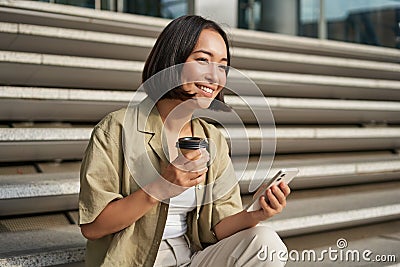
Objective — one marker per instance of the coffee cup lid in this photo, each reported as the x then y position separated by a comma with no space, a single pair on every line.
191,143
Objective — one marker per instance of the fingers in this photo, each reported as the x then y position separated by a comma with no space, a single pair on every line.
285,188
266,210
194,174
197,180
193,166
275,200
183,178
277,195
190,179
193,160
264,205
174,181
194,154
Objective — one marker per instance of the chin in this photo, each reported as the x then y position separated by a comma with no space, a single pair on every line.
203,102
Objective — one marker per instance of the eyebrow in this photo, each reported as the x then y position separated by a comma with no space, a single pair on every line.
208,53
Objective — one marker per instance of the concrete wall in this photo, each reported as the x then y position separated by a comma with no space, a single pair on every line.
279,16
222,11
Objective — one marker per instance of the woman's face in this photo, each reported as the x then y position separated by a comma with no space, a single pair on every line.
204,71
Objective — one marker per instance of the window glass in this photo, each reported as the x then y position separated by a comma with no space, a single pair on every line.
308,18
249,14
158,8
374,22
81,3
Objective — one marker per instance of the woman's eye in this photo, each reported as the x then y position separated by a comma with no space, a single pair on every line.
202,60
223,67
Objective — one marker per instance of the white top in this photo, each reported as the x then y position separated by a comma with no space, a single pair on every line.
179,206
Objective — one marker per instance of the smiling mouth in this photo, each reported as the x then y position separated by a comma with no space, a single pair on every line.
205,89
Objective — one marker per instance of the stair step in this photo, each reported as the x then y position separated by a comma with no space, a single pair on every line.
17,169
326,209
121,23
33,69
57,188
36,222
315,210
245,58
40,192
311,46
380,239
53,40
322,86
27,144
52,70
67,16
33,104
322,170
47,247
307,111
39,184
59,167
71,42
310,139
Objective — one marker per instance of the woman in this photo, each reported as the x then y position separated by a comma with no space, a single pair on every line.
173,219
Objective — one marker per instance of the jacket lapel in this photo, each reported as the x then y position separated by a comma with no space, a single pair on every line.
149,121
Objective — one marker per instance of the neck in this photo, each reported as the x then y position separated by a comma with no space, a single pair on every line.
176,116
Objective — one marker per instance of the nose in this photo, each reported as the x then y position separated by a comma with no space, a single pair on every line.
212,73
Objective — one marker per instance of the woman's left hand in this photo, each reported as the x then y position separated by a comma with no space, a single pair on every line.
273,204
276,198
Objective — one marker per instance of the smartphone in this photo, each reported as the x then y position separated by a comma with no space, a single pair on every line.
283,175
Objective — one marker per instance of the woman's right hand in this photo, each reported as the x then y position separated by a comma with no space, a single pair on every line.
184,172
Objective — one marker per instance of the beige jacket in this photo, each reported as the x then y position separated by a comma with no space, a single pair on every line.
107,173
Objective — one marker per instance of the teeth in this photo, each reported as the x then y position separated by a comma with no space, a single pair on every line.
206,89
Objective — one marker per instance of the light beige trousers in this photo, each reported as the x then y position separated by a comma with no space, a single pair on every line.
257,246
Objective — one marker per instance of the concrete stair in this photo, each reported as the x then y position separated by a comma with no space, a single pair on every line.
31,143
32,104
382,239
43,39
336,107
71,17
48,70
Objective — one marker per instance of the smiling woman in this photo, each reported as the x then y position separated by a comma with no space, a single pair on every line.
173,218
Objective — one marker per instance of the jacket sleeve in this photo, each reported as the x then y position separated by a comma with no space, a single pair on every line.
100,177
226,191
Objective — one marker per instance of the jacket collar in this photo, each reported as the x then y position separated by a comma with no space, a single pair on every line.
149,122
149,119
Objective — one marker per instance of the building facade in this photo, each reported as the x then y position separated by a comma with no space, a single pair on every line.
372,22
